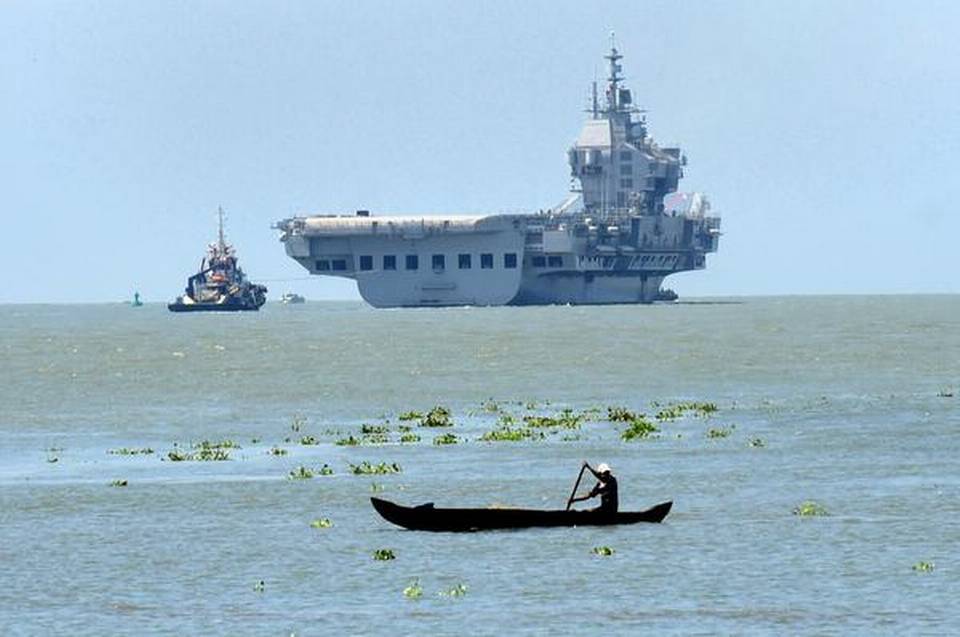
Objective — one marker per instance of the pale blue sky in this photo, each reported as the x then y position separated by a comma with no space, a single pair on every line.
827,134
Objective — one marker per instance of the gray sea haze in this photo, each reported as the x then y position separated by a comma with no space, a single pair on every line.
855,401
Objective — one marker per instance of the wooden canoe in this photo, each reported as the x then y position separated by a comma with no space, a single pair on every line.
426,517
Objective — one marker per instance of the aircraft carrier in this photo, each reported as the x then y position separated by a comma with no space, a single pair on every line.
620,232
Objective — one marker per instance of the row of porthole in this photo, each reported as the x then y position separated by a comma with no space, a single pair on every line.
412,262
437,262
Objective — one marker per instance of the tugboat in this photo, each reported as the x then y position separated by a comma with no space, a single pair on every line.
220,285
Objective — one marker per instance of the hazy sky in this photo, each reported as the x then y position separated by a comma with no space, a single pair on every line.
827,134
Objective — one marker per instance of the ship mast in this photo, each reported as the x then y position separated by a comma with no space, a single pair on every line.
222,241
615,78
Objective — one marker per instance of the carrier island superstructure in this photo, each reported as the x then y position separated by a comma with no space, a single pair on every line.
623,228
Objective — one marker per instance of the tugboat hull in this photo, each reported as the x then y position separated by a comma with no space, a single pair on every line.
212,307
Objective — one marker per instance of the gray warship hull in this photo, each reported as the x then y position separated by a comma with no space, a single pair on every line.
614,240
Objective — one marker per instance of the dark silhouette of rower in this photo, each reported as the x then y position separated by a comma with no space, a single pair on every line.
606,488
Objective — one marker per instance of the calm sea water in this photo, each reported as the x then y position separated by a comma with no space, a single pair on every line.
855,400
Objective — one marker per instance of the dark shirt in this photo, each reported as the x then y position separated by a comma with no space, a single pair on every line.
607,490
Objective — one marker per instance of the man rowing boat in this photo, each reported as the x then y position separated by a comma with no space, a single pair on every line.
606,488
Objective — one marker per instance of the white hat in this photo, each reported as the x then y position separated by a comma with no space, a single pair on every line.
603,467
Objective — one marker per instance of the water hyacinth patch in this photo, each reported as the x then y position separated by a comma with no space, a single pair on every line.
507,434
308,441
409,437
374,429
678,410
621,414
321,523
720,432
413,590
211,454
924,567
437,417
300,473
259,587
277,451
446,439
383,555
639,429
757,443
204,452
603,551
222,444
365,468
127,451
410,415
325,470
349,441
118,483
566,419
809,508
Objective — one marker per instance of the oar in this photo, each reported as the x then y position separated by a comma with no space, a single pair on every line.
576,485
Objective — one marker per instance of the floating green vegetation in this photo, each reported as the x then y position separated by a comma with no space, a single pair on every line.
221,444
321,523
259,587
924,567
603,551
508,434
325,470
457,591
409,437
367,430
366,469
446,439
349,441
809,508
300,473
757,443
383,555
437,417
566,419
621,414
211,454
308,440
375,439
410,415
678,410
118,483
277,451
639,429
130,451
204,452
720,432
413,590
